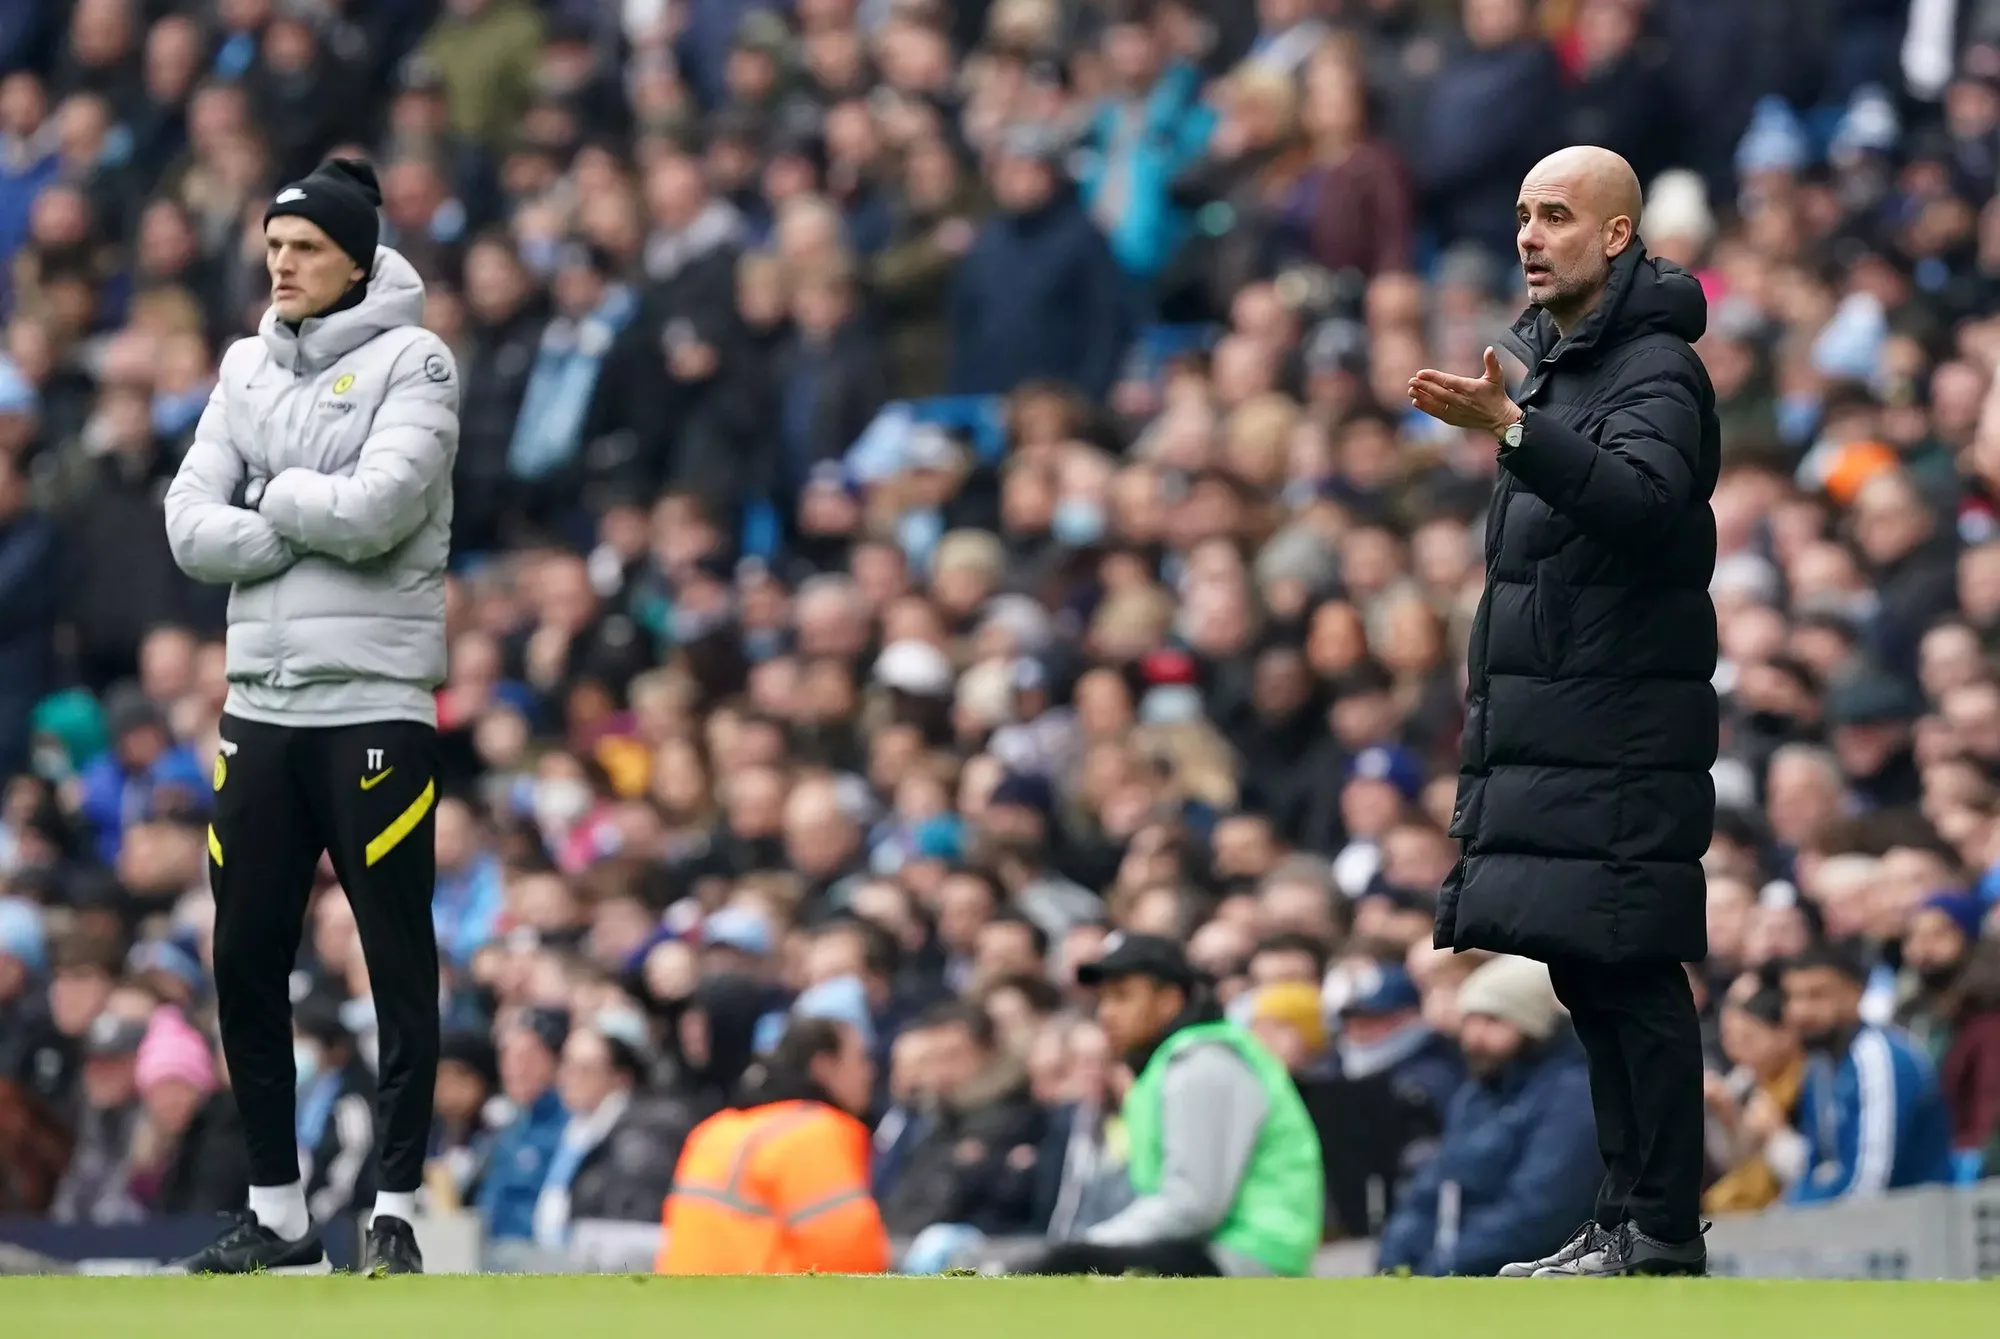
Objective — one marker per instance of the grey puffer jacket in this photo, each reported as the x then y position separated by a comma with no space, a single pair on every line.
319,485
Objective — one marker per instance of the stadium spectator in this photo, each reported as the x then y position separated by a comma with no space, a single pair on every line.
1758,1095
1517,1136
1871,1117
780,1186
989,528
974,1161
1223,1160
523,1149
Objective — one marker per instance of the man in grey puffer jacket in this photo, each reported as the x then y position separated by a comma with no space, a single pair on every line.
319,487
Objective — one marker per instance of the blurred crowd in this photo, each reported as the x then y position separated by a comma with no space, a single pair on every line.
936,487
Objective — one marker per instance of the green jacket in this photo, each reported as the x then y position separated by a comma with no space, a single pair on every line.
1276,1213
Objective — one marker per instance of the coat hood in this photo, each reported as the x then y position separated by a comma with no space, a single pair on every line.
1645,295
395,299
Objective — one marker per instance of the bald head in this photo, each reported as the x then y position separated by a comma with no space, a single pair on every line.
1598,178
1578,212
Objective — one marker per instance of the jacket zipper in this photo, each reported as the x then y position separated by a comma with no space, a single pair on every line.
277,586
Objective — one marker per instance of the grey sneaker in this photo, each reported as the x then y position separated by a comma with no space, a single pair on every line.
1629,1253
1650,1255
1589,1237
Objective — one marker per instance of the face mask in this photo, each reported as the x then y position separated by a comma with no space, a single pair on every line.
762,644
1077,522
561,802
305,1059
52,763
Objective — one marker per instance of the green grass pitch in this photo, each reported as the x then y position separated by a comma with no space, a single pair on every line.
637,1307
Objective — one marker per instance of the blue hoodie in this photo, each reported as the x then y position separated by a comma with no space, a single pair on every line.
516,1168
1521,1157
1870,1121
114,799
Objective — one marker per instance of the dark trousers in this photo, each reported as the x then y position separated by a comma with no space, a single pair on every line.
1163,1259
365,795
1639,1027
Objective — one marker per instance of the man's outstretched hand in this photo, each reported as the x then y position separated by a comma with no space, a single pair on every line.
1467,402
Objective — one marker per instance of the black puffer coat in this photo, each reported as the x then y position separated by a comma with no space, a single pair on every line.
1584,800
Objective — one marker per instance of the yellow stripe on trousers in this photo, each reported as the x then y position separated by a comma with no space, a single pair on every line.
214,845
405,823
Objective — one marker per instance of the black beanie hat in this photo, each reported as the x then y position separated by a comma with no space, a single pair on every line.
340,195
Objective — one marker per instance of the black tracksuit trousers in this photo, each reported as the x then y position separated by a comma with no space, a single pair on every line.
365,795
1642,1034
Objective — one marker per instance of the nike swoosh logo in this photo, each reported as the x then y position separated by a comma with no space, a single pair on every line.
370,782
285,197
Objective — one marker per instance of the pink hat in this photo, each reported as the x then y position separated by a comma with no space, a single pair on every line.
172,1049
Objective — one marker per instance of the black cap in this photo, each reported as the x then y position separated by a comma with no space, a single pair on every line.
1153,956
340,195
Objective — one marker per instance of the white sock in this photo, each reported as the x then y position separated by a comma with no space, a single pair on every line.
395,1204
282,1209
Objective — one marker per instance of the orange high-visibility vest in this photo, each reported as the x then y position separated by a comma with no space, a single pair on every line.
777,1189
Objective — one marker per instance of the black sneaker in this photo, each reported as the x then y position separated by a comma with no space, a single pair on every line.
391,1248
1590,1237
249,1247
1631,1253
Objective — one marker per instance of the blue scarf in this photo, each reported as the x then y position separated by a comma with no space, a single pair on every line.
548,432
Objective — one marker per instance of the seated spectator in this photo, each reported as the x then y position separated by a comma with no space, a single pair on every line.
336,1110
188,1154
1285,1016
780,1184
616,1155
461,1138
470,896
974,1162
1970,1071
1955,1012
1221,1153
1871,1117
1757,1097
525,1146
1082,1177
146,774
1014,836
94,1189
1518,1154
1290,955
1383,1031
26,1030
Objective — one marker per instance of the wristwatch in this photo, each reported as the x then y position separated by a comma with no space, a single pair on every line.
1511,438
